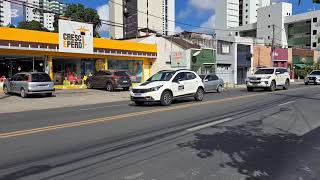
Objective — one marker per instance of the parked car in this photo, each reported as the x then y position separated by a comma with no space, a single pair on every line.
165,86
29,83
110,80
313,78
212,83
269,79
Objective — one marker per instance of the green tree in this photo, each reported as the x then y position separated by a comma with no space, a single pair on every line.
11,26
78,12
32,25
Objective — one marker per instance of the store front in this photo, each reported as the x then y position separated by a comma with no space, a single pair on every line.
71,69
10,65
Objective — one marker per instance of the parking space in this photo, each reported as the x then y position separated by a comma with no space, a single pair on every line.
61,98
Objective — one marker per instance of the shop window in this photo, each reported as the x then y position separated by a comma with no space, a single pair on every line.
314,32
133,67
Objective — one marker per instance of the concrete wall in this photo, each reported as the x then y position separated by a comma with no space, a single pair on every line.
165,47
116,15
273,15
5,13
261,57
155,8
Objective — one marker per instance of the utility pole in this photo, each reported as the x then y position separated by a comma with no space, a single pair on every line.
147,17
273,43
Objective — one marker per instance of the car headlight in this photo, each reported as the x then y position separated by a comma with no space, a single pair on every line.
156,88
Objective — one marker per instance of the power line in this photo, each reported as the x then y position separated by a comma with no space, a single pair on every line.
181,23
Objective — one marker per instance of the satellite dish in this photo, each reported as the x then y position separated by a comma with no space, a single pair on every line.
196,53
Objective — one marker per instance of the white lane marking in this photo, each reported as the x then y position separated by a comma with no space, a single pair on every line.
100,107
290,102
209,124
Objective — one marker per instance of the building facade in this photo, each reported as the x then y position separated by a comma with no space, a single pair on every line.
45,17
234,13
5,13
277,25
132,18
36,51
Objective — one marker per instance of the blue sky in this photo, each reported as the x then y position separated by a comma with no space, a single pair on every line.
195,12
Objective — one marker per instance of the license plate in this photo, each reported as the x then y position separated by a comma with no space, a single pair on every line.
255,81
125,81
137,94
43,85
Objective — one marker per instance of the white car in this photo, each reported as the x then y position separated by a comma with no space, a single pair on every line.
165,86
313,78
269,79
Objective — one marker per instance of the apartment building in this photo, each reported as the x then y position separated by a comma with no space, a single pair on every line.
134,18
234,13
276,24
43,11
5,13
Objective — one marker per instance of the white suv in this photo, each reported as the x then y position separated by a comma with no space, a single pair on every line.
269,79
166,86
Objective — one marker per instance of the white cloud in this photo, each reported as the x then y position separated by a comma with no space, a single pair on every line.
103,12
208,25
207,5
185,13
178,29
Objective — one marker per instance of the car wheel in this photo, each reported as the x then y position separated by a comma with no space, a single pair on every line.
272,86
199,94
250,89
109,87
23,93
286,85
89,85
48,94
219,89
5,90
306,83
166,98
139,103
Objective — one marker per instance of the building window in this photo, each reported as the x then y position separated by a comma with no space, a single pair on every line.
268,37
246,16
246,10
314,32
314,44
269,15
315,20
269,26
246,22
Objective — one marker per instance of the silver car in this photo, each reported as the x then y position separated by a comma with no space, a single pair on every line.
313,78
29,83
212,83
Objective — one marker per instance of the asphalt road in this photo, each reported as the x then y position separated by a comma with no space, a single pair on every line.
232,135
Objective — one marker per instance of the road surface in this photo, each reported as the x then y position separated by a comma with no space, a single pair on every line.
232,135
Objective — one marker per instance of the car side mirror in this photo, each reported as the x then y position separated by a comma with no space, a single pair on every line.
206,80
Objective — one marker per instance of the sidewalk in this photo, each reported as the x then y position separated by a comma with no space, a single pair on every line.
62,98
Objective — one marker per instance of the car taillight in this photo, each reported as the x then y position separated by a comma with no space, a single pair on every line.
116,77
30,78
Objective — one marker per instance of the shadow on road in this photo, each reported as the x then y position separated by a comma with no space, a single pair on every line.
258,154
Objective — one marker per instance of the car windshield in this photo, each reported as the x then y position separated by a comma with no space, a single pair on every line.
162,76
202,76
121,73
265,71
40,77
315,73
